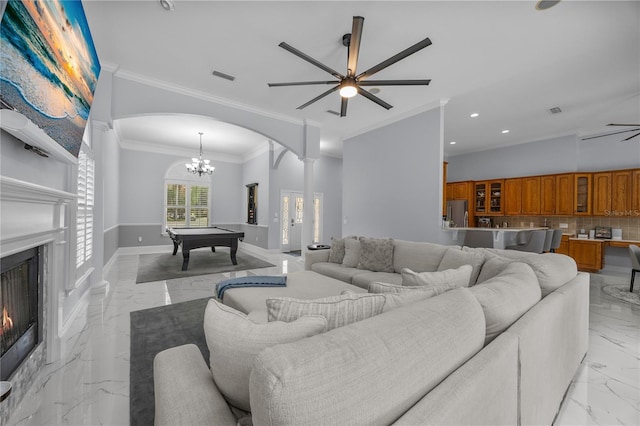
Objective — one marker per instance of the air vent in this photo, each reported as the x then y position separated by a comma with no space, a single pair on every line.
330,111
223,75
554,110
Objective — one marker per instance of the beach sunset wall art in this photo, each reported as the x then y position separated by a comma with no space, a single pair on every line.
49,67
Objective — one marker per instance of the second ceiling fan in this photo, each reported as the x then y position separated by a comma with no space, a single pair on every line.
352,84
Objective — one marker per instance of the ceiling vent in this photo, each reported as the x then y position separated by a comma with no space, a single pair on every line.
223,75
554,110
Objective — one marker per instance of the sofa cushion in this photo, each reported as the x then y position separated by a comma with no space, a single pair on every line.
338,310
506,297
398,295
552,269
493,266
337,271
351,253
458,277
454,258
417,256
234,341
364,278
369,372
376,254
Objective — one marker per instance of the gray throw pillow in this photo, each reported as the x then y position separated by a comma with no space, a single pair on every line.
397,295
376,254
234,341
492,267
338,310
351,252
454,258
337,250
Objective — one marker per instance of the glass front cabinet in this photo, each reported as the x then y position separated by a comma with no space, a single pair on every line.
488,197
583,193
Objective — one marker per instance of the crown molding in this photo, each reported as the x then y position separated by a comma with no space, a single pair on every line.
134,145
171,87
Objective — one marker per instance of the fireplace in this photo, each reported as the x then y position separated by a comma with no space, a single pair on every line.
21,308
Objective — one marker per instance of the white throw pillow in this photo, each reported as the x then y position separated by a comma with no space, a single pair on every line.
398,295
451,278
493,266
234,341
338,310
351,252
506,297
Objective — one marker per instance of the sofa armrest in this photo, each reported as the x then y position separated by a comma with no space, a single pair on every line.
185,393
315,256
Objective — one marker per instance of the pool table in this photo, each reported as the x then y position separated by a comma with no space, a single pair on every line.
193,238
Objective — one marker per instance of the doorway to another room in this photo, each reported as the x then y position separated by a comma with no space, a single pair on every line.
292,215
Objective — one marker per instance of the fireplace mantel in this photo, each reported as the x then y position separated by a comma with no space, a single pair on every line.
19,190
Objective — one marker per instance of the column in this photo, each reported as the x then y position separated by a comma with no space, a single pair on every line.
98,139
307,230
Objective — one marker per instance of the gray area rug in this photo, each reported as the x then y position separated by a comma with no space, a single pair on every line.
165,266
152,331
622,292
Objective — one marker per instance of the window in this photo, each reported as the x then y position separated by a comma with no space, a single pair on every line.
186,205
84,220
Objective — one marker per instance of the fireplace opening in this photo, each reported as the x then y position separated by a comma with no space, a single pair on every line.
20,308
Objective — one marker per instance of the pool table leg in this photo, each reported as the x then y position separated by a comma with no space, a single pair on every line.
233,250
185,259
213,249
175,247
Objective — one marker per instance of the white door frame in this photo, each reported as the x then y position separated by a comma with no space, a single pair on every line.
287,216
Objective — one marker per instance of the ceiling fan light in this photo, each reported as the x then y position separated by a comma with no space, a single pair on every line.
348,89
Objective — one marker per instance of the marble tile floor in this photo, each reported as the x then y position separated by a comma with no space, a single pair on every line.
90,383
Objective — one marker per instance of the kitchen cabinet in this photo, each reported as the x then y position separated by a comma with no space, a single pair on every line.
635,192
588,254
548,195
513,196
621,191
531,195
601,194
582,194
458,190
564,194
488,198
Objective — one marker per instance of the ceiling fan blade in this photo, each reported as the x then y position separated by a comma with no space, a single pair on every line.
609,134
309,59
343,107
623,125
394,83
374,98
630,137
392,60
354,45
300,83
317,98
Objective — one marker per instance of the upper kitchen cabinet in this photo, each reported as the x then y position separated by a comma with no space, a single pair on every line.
582,194
635,193
531,195
564,194
601,194
513,196
548,195
622,191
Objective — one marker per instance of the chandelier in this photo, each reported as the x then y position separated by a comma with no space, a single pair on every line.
198,165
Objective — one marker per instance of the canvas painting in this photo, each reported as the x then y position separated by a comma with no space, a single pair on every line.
49,67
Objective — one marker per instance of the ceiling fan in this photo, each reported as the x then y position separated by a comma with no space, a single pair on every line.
637,129
352,84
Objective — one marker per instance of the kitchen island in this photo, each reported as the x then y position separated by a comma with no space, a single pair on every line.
501,237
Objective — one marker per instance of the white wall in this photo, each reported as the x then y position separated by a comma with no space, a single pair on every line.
391,180
111,158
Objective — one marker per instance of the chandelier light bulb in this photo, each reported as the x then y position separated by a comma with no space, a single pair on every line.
199,166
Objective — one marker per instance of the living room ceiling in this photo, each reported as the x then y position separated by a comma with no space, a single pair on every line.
504,60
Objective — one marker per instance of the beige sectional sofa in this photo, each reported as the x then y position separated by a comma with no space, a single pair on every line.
502,351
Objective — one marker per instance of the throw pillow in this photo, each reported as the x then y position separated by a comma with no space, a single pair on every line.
234,341
454,258
376,254
338,310
492,267
397,295
337,250
351,252
506,297
451,278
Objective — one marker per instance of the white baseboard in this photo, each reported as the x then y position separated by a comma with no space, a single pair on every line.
144,250
81,305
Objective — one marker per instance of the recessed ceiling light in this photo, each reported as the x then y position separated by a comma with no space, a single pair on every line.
167,5
505,131
452,143
474,115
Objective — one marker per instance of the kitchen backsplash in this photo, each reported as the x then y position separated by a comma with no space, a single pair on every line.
630,225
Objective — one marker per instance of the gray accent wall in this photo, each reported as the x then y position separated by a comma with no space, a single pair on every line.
150,235
111,243
392,180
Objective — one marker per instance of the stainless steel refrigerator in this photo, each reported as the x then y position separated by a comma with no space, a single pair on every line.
458,213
